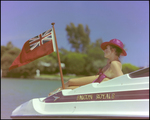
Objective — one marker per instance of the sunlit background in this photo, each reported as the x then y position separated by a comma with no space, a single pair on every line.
124,20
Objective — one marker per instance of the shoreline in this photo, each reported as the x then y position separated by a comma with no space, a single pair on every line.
39,78
58,78
51,78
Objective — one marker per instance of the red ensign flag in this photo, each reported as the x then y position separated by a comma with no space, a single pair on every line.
35,48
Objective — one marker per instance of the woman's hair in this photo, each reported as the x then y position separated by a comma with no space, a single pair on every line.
117,50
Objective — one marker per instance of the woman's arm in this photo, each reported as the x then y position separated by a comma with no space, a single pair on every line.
76,82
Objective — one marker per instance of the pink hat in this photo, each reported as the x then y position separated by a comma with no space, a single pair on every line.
115,42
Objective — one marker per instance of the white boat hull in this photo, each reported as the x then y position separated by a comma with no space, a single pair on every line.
122,97
91,109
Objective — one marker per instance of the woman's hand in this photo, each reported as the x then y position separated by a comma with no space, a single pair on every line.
55,91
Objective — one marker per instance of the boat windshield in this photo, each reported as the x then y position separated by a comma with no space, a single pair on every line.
140,73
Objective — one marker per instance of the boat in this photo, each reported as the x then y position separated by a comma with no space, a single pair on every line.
126,96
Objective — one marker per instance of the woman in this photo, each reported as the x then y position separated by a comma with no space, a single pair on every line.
112,51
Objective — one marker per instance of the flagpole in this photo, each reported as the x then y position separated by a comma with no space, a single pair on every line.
61,74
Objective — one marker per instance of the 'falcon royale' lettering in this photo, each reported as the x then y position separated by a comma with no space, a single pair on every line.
105,96
97,97
84,97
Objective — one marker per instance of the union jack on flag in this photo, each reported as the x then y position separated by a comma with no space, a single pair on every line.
34,48
41,39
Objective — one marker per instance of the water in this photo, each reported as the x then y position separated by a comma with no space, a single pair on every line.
14,92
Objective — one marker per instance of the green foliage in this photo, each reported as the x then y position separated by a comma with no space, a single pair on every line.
127,68
75,62
25,71
47,60
95,53
9,45
9,53
78,37
3,50
95,59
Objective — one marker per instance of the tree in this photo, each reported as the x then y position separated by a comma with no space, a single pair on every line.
50,64
95,59
75,62
127,68
10,45
94,50
8,56
3,50
78,37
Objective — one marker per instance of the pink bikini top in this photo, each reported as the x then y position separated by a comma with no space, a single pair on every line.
100,77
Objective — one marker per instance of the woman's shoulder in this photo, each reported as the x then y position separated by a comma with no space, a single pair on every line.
115,64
